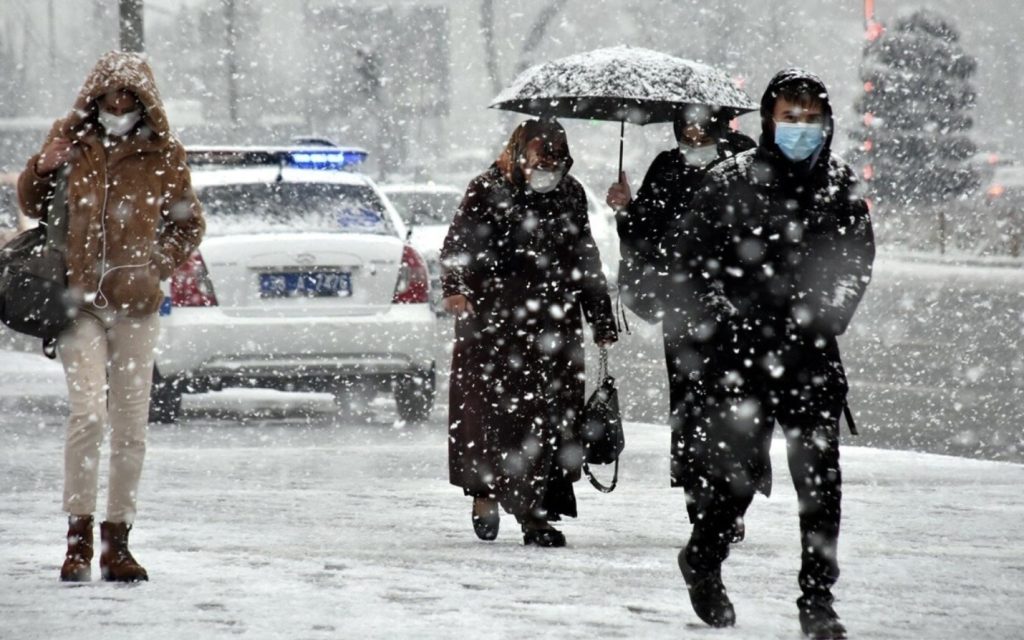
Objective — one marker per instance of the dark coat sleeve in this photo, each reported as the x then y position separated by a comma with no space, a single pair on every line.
642,227
843,262
594,298
464,245
643,223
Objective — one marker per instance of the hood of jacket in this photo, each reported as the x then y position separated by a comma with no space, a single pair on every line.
114,71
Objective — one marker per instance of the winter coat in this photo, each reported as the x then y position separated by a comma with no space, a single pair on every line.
777,255
661,202
132,215
528,264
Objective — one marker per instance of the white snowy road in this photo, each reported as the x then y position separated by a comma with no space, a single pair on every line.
300,526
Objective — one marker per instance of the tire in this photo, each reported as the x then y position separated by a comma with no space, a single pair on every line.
164,400
414,396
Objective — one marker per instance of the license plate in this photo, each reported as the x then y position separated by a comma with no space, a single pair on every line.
306,284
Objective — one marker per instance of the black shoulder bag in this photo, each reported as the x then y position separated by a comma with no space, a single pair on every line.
601,427
34,296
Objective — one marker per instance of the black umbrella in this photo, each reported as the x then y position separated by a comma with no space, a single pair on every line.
626,84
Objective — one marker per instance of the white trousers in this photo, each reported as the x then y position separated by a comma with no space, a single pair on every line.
108,363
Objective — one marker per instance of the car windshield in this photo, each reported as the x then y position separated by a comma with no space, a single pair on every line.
302,207
426,207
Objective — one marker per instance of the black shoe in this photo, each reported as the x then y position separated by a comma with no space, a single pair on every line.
486,520
819,620
546,537
707,594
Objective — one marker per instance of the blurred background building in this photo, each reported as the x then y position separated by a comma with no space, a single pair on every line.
410,79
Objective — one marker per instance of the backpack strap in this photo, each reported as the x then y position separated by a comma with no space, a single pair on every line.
57,216
849,419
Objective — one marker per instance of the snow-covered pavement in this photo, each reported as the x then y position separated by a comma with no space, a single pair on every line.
303,525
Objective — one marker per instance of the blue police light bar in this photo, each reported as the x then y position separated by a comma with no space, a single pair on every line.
329,159
320,158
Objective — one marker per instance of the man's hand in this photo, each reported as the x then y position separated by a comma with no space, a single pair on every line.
458,306
54,156
619,195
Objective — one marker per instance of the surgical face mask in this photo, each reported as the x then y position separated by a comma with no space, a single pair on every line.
699,156
119,125
797,140
543,180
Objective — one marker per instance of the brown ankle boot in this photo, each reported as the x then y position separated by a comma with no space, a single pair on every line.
77,565
116,562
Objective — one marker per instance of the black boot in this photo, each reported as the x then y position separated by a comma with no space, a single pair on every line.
707,594
486,518
77,565
540,533
116,562
819,620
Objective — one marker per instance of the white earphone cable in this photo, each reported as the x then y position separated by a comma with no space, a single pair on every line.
100,300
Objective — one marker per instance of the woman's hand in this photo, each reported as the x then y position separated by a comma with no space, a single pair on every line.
54,156
619,195
458,305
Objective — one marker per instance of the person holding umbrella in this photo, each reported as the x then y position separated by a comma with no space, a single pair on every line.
703,138
778,250
521,271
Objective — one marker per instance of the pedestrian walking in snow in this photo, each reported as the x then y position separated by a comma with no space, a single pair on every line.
132,219
779,251
520,266
646,282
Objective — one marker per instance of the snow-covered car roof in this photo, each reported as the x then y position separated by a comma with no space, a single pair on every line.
218,175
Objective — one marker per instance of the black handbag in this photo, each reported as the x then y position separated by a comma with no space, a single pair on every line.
601,435
34,297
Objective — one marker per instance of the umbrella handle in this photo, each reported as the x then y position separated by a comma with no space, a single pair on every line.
622,141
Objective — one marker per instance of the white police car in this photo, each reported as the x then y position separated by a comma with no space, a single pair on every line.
304,281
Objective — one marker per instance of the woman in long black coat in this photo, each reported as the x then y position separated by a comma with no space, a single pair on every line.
521,271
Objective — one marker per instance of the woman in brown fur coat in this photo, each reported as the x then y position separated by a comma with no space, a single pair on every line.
132,220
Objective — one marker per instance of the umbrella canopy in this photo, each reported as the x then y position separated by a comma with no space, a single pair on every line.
626,84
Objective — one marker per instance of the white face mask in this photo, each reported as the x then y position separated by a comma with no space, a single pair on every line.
699,156
543,181
119,125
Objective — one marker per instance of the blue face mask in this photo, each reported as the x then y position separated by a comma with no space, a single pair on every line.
799,141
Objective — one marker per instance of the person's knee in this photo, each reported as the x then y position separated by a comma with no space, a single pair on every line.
87,415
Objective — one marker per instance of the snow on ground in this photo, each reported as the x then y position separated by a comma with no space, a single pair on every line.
301,524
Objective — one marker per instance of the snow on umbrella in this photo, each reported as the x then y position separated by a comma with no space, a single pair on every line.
625,84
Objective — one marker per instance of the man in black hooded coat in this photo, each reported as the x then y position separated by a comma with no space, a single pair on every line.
778,249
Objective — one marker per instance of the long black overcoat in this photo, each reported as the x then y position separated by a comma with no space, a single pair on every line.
528,264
